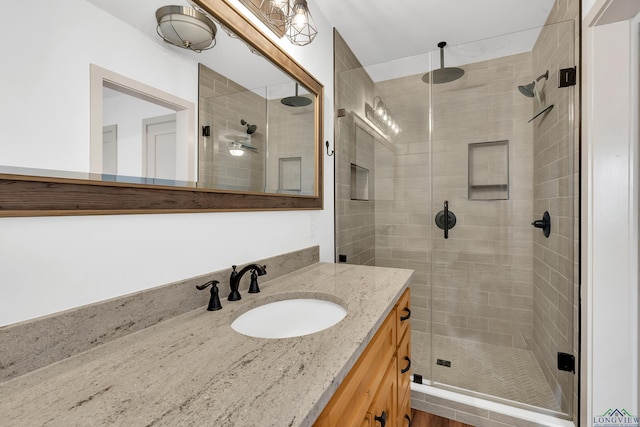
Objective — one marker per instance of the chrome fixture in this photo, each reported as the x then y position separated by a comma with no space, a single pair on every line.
251,129
531,91
214,301
234,280
186,28
443,74
296,101
381,116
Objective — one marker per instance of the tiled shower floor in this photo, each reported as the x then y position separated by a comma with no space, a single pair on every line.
504,372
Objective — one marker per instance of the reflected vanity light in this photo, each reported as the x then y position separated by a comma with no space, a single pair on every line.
186,28
381,116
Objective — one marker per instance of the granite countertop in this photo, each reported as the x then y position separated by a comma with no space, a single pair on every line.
194,369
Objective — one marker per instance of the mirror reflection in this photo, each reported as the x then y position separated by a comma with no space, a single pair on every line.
254,129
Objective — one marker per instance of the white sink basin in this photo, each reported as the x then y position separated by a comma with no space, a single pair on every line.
289,318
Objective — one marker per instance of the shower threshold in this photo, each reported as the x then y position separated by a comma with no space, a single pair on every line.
442,402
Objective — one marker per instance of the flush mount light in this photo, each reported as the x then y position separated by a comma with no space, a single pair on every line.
300,27
186,28
236,149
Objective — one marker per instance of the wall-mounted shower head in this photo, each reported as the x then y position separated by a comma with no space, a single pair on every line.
530,89
443,74
250,128
296,101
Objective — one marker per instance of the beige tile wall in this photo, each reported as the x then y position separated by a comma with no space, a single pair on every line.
556,160
222,104
482,275
287,127
355,219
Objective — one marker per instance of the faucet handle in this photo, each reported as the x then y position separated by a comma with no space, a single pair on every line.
253,286
214,301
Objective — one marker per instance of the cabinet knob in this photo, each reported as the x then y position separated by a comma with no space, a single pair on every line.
408,316
382,419
405,370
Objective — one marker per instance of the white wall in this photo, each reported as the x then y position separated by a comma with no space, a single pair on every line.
55,263
610,215
44,80
128,113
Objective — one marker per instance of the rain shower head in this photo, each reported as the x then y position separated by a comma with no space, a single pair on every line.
250,128
296,101
443,74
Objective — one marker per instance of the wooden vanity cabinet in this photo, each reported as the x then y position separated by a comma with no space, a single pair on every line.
376,392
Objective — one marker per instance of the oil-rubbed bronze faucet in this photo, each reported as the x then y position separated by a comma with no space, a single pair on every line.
234,280
214,301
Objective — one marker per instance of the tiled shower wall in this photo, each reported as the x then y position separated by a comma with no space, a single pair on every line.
287,127
222,105
482,274
355,234
556,190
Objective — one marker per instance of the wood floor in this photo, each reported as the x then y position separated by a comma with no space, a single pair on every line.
422,419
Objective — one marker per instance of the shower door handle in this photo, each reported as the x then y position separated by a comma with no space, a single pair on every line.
445,219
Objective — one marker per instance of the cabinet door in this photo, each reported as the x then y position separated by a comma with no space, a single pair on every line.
348,406
403,313
404,365
404,410
383,410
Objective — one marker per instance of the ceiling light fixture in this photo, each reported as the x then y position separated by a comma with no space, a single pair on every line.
186,28
236,149
300,27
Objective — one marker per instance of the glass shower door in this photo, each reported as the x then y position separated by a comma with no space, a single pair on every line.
502,209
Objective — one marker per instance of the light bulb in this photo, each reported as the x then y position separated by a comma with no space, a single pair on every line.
299,20
236,149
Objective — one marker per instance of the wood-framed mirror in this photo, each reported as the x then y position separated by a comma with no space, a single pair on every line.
36,191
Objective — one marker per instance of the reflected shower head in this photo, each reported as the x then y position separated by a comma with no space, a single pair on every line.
250,128
296,101
443,74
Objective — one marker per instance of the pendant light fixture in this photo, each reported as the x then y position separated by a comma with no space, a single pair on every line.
300,27
186,28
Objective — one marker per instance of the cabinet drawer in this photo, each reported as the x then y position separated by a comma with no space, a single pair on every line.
404,314
349,405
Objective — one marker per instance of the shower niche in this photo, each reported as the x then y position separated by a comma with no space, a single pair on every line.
489,170
359,182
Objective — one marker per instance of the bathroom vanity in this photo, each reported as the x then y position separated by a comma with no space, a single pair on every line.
194,369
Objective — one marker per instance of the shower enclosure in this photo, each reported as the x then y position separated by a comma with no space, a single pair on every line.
453,181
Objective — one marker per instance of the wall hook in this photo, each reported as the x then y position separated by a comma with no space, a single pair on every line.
332,151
